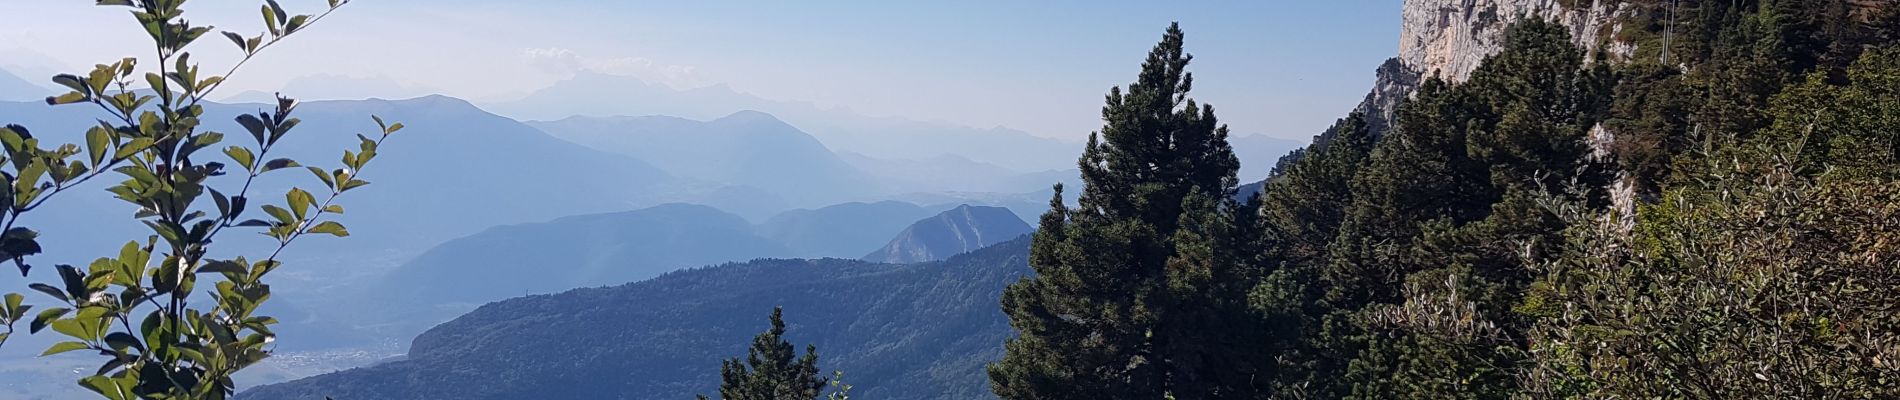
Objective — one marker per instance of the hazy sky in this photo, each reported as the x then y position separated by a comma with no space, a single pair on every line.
1282,68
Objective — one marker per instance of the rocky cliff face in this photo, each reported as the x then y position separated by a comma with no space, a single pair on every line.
1451,37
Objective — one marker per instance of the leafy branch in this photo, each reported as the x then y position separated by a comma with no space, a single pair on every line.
135,308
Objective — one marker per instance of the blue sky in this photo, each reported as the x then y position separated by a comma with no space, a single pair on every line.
1281,68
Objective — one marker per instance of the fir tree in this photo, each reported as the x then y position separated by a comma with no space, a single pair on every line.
772,369
1140,291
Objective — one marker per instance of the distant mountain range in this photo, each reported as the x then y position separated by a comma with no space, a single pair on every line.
747,148
454,171
16,88
554,256
841,231
842,130
954,173
953,232
616,248
922,331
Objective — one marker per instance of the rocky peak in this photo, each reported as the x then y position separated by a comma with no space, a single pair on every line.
953,232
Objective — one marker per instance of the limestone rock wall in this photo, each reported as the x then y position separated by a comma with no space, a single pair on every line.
1451,37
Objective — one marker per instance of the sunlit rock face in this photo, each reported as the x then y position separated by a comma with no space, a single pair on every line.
1451,37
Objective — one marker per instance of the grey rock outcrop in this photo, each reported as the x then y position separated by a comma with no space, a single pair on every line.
1451,37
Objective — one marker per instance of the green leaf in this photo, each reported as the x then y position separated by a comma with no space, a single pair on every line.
328,181
235,39
330,227
49,290
121,340
295,23
254,125
13,303
277,10
132,147
223,203
97,139
270,19
73,82
222,266
45,318
282,215
29,177
104,386
300,202
279,163
242,156
68,98
63,347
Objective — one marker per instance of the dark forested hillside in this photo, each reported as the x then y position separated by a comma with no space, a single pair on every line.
921,331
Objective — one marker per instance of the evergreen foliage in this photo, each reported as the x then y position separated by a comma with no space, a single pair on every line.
1134,287
1715,224
772,369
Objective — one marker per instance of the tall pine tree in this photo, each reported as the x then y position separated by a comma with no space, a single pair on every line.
1300,214
1140,292
772,369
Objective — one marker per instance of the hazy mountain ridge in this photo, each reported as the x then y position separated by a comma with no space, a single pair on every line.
16,88
746,148
616,248
664,337
842,230
842,130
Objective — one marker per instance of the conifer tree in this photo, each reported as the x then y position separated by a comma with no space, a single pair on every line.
1422,279
1139,292
772,369
1300,213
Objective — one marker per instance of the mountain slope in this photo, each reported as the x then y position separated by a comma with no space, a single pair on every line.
953,232
16,88
921,331
844,230
746,148
562,254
